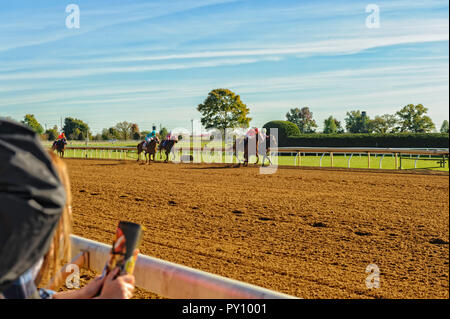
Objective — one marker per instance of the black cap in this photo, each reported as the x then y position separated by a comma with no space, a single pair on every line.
32,198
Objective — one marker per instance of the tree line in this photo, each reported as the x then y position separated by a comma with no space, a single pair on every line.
76,129
224,109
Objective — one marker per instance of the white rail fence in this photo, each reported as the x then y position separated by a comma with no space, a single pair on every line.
439,155
171,280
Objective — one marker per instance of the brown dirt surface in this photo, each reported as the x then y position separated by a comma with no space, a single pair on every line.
308,233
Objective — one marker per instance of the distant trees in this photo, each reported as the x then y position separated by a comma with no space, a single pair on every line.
332,126
412,118
52,134
135,133
76,129
30,121
121,131
223,109
163,133
110,134
303,118
357,122
124,129
383,124
444,127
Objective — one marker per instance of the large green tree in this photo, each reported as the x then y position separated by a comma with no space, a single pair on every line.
75,129
385,123
357,122
332,126
30,121
412,118
223,109
303,118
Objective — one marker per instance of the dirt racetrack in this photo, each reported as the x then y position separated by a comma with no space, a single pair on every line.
308,233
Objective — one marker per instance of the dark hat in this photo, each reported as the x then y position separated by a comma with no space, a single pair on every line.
32,198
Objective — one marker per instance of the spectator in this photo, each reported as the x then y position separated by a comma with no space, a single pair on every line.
35,222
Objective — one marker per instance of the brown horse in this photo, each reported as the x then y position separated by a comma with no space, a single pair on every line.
262,147
243,143
167,146
149,149
59,146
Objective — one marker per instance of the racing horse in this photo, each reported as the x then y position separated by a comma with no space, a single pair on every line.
149,149
260,147
59,146
267,139
167,146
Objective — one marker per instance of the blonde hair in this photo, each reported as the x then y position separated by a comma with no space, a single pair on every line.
60,250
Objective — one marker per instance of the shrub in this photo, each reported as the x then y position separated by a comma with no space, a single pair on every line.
399,140
285,129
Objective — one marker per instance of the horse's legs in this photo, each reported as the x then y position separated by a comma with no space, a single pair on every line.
257,159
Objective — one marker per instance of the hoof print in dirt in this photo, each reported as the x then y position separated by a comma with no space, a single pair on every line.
319,224
438,241
362,233
237,212
265,219
137,199
172,203
95,194
123,196
82,191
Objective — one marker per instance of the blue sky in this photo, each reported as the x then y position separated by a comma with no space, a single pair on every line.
154,61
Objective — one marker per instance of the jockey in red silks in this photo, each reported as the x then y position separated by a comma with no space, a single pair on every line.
61,136
252,132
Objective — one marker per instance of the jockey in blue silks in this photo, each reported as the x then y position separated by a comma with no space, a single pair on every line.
150,136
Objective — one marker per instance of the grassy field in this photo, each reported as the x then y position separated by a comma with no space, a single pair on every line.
311,160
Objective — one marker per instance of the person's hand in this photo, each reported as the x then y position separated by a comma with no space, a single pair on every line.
121,287
92,288
87,292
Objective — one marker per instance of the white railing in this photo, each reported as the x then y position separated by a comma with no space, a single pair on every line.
122,153
171,280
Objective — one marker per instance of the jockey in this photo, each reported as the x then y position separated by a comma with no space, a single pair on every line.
150,136
169,137
61,137
253,132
